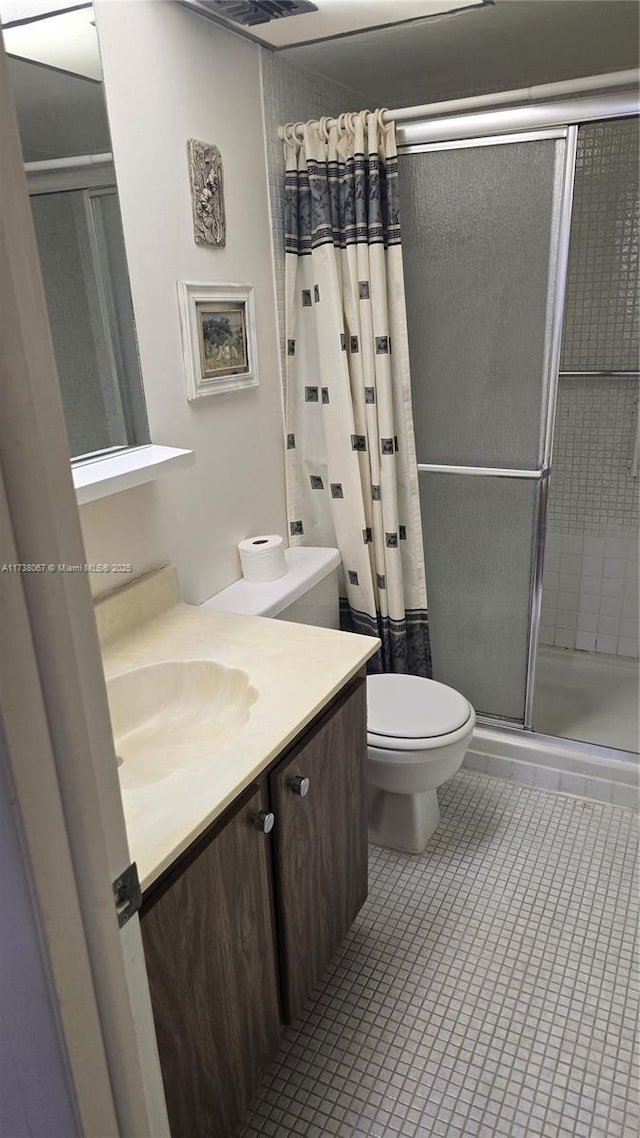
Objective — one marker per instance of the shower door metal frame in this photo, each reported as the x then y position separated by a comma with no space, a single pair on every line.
526,124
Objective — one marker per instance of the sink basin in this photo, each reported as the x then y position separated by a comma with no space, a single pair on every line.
169,714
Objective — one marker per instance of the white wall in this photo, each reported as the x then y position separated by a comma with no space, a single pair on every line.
170,75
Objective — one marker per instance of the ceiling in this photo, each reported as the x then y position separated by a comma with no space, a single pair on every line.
506,45
335,18
511,44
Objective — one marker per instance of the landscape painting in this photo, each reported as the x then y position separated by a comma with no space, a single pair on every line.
222,338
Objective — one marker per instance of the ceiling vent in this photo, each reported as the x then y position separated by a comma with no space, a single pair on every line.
251,12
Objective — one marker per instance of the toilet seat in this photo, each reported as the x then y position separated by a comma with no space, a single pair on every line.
411,713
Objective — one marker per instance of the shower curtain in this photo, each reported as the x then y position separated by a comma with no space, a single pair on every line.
351,463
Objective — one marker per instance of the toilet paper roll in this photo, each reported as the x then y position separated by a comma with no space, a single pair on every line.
262,557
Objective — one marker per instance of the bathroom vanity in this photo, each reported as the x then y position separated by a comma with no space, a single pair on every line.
253,860
240,930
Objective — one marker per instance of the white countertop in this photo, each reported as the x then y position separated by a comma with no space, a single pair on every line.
296,670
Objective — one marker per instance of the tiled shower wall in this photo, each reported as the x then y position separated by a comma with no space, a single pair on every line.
291,94
590,586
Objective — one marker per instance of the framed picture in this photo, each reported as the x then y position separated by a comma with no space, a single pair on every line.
218,337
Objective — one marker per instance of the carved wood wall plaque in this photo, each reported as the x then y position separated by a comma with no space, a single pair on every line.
207,193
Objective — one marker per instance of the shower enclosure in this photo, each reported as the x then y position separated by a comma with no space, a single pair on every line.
486,204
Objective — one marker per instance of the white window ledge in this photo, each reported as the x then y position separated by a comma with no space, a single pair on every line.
100,477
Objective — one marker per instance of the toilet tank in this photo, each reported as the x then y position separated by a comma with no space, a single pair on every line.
306,594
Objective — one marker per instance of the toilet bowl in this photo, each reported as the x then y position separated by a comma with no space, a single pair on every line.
418,731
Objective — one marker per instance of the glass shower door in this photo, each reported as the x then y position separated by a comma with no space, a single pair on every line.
588,680
485,227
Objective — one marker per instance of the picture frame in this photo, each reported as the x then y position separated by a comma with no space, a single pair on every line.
217,323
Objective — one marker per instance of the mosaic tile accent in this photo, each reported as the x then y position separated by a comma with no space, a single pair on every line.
601,328
486,989
591,490
593,496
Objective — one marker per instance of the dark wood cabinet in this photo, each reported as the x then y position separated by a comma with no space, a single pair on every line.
320,844
209,945
241,928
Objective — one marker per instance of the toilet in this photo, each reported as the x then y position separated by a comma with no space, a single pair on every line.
418,730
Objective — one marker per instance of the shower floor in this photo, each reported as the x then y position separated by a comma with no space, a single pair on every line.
587,696
487,988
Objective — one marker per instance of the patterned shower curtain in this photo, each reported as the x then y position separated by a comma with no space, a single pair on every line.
351,463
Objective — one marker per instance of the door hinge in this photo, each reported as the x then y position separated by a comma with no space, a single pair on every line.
127,894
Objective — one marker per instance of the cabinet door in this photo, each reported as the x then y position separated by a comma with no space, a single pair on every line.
320,843
210,949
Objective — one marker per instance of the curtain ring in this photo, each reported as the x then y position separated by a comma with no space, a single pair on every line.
346,122
382,125
323,130
289,134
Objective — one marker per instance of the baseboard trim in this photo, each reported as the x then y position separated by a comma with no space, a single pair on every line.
601,774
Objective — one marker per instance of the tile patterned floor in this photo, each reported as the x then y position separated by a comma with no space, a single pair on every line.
487,988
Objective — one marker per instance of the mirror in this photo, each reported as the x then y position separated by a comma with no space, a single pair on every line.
56,78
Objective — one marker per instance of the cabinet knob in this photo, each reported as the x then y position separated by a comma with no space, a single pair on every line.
263,821
299,785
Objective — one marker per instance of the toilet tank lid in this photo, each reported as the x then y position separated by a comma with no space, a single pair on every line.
411,707
306,566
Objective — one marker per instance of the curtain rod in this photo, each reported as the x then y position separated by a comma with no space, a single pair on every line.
75,163
522,95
